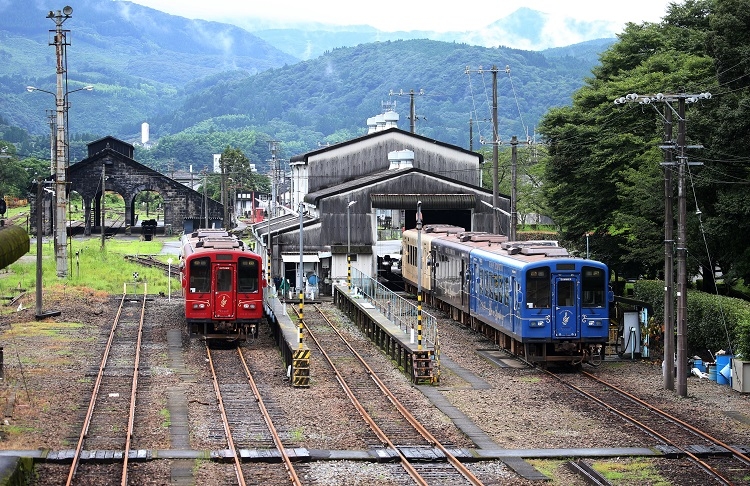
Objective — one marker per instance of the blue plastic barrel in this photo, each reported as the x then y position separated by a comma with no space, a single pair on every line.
722,361
698,363
712,372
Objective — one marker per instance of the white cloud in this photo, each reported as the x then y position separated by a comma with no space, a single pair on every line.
413,15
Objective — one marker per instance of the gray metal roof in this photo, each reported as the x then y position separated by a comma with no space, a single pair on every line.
429,201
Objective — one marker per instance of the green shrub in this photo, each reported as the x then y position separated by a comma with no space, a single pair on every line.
714,322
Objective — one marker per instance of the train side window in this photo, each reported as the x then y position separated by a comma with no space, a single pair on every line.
538,289
593,287
247,275
200,275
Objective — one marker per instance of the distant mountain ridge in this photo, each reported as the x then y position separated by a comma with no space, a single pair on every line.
191,75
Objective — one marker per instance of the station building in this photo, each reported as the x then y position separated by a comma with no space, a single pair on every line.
341,193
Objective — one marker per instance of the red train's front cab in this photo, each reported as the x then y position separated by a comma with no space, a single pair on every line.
223,295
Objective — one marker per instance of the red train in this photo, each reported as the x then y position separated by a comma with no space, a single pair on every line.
223,286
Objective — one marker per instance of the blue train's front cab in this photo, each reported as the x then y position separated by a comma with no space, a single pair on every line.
550,307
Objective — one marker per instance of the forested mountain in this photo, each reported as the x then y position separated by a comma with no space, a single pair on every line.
141,62
340,90
203,86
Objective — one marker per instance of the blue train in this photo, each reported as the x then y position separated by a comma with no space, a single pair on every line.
530,297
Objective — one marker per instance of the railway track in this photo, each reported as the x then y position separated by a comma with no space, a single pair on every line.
394,426
107,428
246,421
151,261
712,460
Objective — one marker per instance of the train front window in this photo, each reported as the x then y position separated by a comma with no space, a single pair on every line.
224,280
247,275
593,287
538,288
566,293
200,275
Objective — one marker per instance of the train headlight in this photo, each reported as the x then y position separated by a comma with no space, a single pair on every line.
536,324
199,305
249,306
594,323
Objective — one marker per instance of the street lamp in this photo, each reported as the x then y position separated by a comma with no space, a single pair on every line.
349,243
61,104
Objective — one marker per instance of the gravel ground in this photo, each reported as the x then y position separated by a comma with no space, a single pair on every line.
47,381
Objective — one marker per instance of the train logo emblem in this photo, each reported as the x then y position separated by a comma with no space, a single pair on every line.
566,318
223,301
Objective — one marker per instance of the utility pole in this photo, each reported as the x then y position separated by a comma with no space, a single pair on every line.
514,189
104,211
273,146
681,99
61,196
412,106
495,143
668,371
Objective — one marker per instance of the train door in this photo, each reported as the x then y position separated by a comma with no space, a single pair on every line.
224,295
564,292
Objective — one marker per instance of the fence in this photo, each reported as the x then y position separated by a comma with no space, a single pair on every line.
397,309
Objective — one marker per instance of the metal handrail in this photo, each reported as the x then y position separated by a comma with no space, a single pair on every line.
394,307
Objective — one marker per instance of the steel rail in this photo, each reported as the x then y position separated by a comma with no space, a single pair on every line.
706,467
97,384
742,457
134,387
227,430
269,423
463,470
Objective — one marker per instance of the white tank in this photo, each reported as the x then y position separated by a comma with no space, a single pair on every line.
144,133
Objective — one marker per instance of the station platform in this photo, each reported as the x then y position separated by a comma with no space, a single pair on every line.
417,357
288,337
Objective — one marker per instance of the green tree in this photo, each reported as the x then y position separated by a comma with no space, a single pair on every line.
604,174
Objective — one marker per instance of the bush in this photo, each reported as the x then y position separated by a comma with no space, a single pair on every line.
714,322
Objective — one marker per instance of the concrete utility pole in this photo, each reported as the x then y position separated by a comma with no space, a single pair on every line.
495,143
412,106
668,371
513,191
681,99
61,195
273,146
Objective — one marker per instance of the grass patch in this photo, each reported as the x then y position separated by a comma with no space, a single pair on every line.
638,470
530,379
47,329
92,270
618,472
166,417
297,434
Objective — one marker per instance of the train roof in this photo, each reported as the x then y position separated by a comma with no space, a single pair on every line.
204,240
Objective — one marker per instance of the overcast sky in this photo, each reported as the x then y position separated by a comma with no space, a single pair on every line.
430,15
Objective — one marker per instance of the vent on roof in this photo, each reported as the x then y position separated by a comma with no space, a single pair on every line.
547,251
443,228
401,159
222,244
480,237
